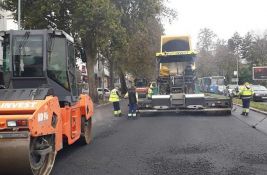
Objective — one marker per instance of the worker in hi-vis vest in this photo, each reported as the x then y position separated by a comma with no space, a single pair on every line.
133,99
115,99
246,94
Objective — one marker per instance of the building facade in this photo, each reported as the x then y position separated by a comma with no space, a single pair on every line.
6,23
101,73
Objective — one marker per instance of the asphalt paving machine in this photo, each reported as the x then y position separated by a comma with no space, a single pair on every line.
141,85
41,107
176,82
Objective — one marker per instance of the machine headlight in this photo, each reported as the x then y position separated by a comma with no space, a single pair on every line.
17,123
11,123
257,94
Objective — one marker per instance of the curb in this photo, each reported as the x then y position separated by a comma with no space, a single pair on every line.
259,125
253,109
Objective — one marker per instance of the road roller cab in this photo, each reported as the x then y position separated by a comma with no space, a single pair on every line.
41,105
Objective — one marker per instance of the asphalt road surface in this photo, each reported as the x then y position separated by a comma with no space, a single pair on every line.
166,144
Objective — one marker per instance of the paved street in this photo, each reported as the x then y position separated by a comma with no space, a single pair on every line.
165,144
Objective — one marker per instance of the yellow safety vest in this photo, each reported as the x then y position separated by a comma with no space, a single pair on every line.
114,96
246,93
150,92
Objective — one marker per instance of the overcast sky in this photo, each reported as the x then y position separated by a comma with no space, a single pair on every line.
224,17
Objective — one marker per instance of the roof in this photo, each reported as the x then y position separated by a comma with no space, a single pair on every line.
40,31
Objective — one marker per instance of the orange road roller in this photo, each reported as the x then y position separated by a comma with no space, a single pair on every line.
41,106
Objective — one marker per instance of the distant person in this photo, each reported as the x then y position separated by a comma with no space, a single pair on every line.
150,91
246,94
133,99
227,92
115,99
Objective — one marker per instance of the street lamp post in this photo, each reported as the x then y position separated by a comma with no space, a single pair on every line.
19,13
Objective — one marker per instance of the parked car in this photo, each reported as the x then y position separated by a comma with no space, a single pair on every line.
232,90
83,88
221,89
260,93
100,92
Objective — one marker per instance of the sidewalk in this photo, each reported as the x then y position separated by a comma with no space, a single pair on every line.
254,119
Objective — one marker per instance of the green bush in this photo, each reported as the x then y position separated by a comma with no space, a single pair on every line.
256,105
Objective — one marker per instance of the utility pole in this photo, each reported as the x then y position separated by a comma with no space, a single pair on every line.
19,13
237,71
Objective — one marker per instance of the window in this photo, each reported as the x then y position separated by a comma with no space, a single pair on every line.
259,88
72,70
6,60
1,51
27,56
217,81
140,82
57,66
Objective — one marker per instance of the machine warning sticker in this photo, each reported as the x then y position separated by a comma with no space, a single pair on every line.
13,105
42,116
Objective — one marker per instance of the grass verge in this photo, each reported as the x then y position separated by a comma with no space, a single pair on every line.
256,105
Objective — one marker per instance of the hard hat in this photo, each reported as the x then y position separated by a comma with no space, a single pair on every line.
247,85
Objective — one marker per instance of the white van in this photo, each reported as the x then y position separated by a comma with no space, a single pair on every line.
106,91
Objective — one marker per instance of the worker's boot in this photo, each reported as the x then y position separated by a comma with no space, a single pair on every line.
243,113
115,113
119,113
246,114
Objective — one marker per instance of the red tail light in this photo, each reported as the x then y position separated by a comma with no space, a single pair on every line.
17,123
22,123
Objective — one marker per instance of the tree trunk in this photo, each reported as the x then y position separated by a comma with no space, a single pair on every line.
90,62
123,82
111,72
91,80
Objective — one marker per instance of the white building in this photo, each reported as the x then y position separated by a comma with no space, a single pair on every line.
6,23
100,72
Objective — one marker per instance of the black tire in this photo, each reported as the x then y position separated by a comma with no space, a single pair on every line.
86,131
42,164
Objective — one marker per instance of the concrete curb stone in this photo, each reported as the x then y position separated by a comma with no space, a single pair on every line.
253,109
257,122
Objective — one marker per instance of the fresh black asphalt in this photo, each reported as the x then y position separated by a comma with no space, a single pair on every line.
166,144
